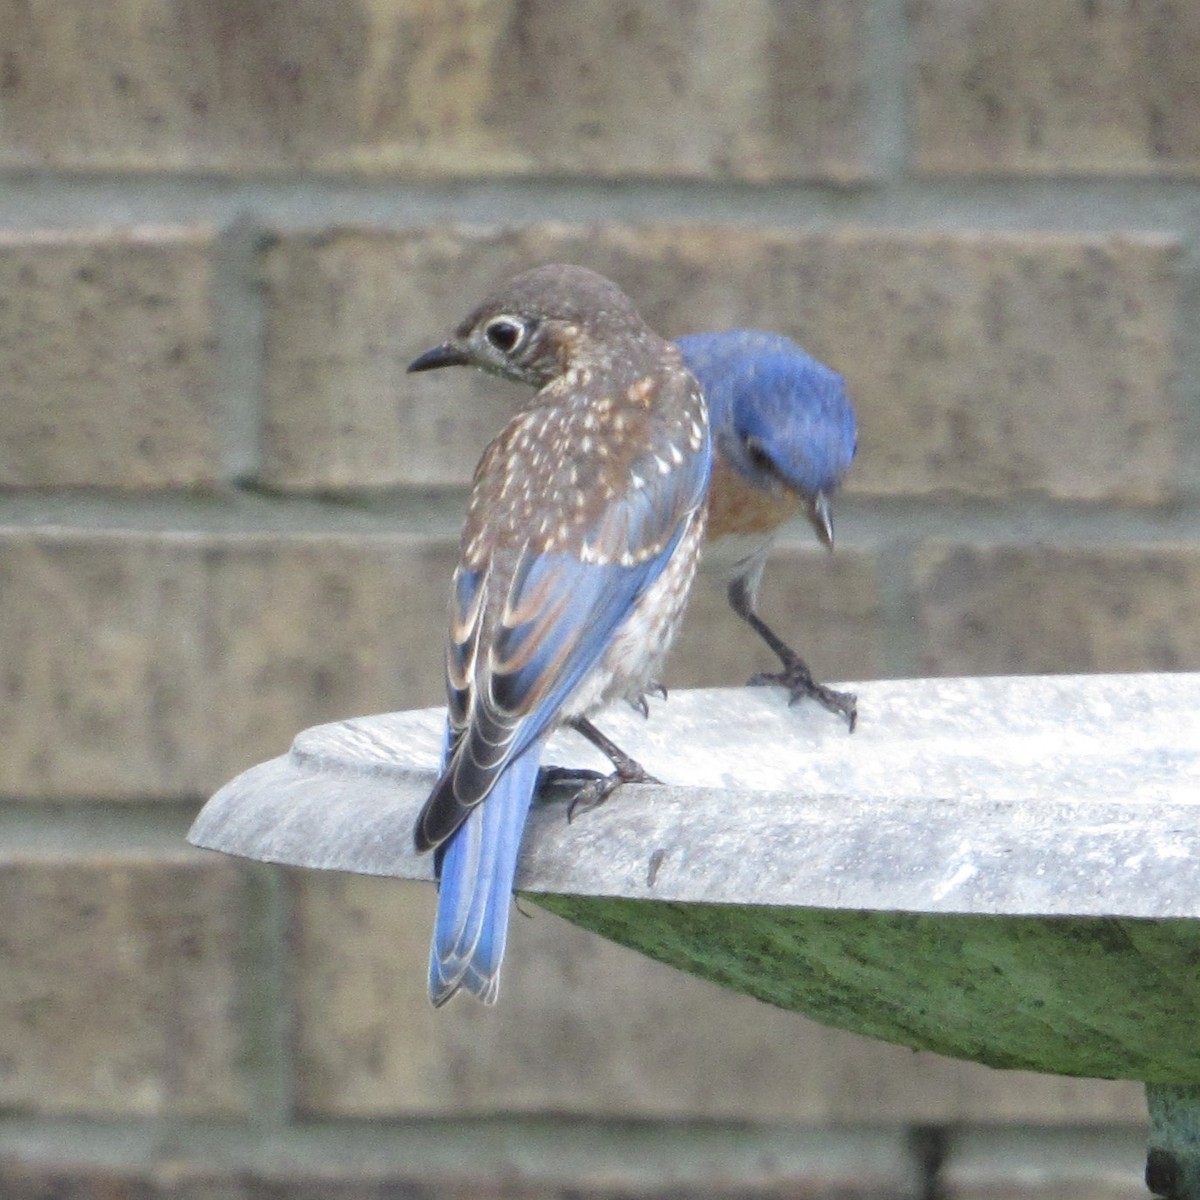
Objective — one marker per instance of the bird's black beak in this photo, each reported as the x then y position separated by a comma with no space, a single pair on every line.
448,354
820,517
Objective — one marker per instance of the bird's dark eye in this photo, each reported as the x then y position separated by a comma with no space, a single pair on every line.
760,460
504,333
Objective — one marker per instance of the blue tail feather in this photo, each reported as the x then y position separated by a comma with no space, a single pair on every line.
476,872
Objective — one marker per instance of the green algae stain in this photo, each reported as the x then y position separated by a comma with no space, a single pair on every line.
1097,997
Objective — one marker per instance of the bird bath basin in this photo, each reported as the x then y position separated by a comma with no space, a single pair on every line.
999,869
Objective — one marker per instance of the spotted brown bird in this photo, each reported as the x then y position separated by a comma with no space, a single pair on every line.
582,536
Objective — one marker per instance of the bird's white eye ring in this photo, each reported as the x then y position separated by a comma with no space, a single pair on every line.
504,333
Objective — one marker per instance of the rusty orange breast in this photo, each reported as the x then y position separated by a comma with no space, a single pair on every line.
736,506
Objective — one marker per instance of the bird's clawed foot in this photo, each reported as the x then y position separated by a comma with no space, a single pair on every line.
597,786
640,704
598,789
798,680
549,776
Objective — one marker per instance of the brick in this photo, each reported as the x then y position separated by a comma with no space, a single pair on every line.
990,365
826,607
346,314
585,1027
509,1181
109,349
147,665
1056,87
986,609
21,1181
122,989
1053,1164
782,87
466,89
66,1181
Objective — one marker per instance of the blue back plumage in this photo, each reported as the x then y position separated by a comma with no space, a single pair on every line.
764,390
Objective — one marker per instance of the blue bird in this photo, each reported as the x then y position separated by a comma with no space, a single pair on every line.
582,537
784,435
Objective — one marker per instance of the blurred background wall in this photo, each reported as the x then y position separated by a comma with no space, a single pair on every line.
226,514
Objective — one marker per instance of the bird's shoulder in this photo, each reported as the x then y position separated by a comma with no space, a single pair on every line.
583,442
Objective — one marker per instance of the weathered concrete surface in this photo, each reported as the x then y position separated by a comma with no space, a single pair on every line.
1000,869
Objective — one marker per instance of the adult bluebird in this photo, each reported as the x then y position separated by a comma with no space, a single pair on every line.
784,435
582,536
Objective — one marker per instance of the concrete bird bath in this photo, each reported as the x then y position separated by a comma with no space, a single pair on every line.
1001,869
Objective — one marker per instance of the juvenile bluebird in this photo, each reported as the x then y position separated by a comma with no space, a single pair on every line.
784,435
582,537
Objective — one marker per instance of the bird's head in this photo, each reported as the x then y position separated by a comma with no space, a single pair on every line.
539,324
780,418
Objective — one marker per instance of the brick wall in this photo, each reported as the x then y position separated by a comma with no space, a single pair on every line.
226,514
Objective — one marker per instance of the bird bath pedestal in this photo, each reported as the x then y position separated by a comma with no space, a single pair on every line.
1004,869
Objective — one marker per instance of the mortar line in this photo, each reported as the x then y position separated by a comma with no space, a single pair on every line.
267,1025
1066,204
1186,383
889,104
431,515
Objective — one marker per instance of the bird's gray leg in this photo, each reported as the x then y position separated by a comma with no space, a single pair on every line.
795,676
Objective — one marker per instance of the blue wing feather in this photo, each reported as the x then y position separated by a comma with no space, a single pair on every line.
476,872
570,609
